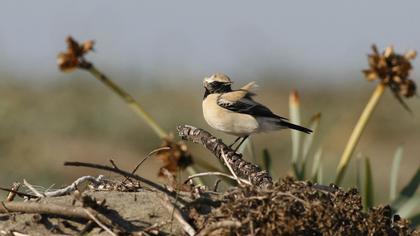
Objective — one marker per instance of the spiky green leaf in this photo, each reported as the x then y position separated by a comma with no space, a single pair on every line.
294,109
308,140
415,220
409,206
317,163
267,160
368,192
394,173
408,191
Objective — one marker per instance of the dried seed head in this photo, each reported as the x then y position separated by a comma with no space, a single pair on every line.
392,69
408,88
175,158
73,57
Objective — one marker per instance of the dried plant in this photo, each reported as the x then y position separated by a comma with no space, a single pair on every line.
393,70
176,157
74,58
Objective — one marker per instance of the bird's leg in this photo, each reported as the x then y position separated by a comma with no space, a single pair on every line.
242,141
236,140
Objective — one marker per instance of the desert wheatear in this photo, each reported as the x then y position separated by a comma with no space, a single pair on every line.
236,113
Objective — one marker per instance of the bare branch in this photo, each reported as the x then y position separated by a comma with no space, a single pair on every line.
72,187
54,209
125,174
241,167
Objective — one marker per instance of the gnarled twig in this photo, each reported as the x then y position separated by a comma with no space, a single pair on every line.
125,174
69,189
242,168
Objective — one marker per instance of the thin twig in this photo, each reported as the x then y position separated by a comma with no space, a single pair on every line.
213,174
294,197
113,164
144,159
123,173
156,226
33,190
88,227
99,223
13,233
178,216
240,182
216,185
12,194
20,194
218,225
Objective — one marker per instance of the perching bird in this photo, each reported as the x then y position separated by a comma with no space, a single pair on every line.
236,113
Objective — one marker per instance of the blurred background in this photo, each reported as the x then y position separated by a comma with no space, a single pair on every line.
160,52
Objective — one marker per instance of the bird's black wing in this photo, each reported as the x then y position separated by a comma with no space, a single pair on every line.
246,105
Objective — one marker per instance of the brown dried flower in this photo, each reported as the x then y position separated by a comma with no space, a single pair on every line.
73,58
393,70
175,158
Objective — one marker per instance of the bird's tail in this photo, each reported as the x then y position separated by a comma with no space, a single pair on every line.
296,127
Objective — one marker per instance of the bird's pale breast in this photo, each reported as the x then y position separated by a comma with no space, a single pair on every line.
234,123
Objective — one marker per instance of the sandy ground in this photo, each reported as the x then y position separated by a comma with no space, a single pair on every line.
140,209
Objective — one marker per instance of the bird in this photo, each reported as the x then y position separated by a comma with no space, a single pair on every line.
235,112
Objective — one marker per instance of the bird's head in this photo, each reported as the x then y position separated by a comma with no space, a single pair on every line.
217,83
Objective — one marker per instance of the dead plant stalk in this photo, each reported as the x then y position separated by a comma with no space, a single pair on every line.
358,130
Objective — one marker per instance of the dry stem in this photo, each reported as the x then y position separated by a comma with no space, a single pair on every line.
134,105
357,131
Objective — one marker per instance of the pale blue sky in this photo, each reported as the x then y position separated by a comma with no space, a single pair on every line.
320,38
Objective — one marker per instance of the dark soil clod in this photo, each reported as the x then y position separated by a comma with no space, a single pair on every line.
297,208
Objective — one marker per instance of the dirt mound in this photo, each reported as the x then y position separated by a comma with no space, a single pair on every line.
299,208
289,207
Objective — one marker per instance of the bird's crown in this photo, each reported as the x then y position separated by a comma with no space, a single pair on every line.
218,77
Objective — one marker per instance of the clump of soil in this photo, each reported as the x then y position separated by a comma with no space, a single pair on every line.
299,208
